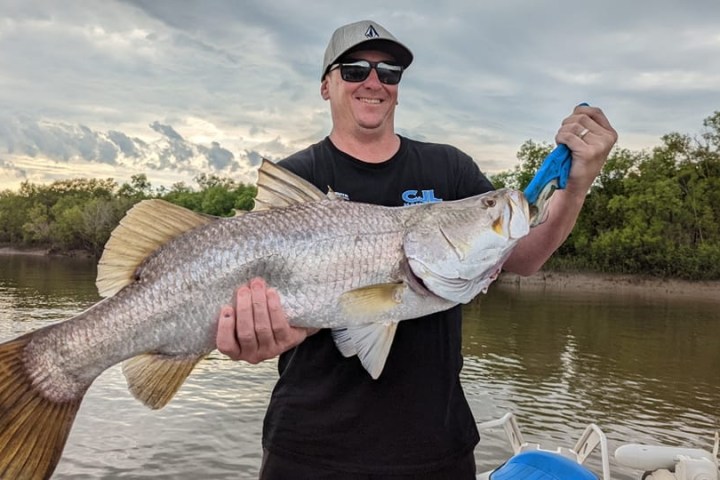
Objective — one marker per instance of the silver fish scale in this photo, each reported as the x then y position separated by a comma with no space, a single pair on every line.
310,253
318,252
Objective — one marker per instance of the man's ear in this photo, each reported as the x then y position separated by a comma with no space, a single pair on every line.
325,89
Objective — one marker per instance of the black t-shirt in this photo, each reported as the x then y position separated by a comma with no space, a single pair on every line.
326,409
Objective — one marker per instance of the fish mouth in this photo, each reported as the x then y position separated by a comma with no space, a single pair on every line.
534,215
539,210
517,216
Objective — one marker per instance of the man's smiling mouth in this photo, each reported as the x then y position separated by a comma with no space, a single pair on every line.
373,101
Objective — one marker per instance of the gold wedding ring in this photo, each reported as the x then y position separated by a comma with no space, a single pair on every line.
583,133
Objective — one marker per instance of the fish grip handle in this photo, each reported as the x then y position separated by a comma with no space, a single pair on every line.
556,166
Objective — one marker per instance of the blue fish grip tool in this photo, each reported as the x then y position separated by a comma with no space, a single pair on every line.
556,166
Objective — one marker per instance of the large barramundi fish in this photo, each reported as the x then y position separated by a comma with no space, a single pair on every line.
356,268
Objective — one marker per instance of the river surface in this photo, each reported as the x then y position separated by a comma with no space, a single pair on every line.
644,369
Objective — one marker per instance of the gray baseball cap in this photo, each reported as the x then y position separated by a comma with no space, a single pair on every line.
364,35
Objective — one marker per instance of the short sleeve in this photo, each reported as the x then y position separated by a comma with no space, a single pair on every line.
471,181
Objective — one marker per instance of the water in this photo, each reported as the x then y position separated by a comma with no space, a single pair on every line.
645,369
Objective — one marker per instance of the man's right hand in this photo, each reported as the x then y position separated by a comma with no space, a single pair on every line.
255,328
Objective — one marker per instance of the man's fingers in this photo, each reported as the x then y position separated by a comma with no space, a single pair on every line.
225,339
280,325
597,115
591,118
244,326
286,336
263,327
257,328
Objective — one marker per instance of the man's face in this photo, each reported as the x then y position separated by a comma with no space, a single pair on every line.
368,105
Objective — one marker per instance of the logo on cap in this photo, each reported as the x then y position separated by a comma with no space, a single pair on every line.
371,32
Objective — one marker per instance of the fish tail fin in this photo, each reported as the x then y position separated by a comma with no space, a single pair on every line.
33,428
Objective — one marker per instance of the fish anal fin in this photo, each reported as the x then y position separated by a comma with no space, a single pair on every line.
372,299
371,343
146,227
154,378
278,187
33,428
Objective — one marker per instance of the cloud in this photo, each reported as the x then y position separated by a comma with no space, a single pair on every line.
76,144
60,142
179,88
9,169
254,157
219,158
167,131
130,147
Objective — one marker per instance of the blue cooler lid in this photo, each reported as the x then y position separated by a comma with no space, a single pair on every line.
541,465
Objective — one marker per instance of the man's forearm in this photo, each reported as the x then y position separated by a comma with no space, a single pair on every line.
534,250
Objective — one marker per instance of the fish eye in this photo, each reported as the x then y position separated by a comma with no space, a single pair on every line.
489,202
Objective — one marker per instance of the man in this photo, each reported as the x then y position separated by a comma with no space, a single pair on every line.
327,418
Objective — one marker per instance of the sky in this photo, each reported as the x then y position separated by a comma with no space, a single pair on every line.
175,89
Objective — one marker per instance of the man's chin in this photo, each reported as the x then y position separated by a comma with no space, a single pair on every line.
371,124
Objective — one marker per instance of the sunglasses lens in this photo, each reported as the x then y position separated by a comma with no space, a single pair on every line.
355,73
359,71
389,74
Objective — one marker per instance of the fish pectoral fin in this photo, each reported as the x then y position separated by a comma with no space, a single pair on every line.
373,299
146,227
371,343
277,188
154,378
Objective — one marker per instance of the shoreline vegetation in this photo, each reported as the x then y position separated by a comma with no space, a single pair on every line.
551,280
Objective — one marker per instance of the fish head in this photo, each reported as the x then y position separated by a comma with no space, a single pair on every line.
458,248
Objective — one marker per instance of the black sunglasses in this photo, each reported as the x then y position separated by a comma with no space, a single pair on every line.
360,70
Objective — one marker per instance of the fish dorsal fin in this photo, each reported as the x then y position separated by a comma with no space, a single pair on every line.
371,343
278,188
146,227
154,378
333,195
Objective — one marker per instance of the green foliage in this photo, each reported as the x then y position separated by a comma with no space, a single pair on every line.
531,155
80,214
661,212
217,196
654,213
14,212
138,189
